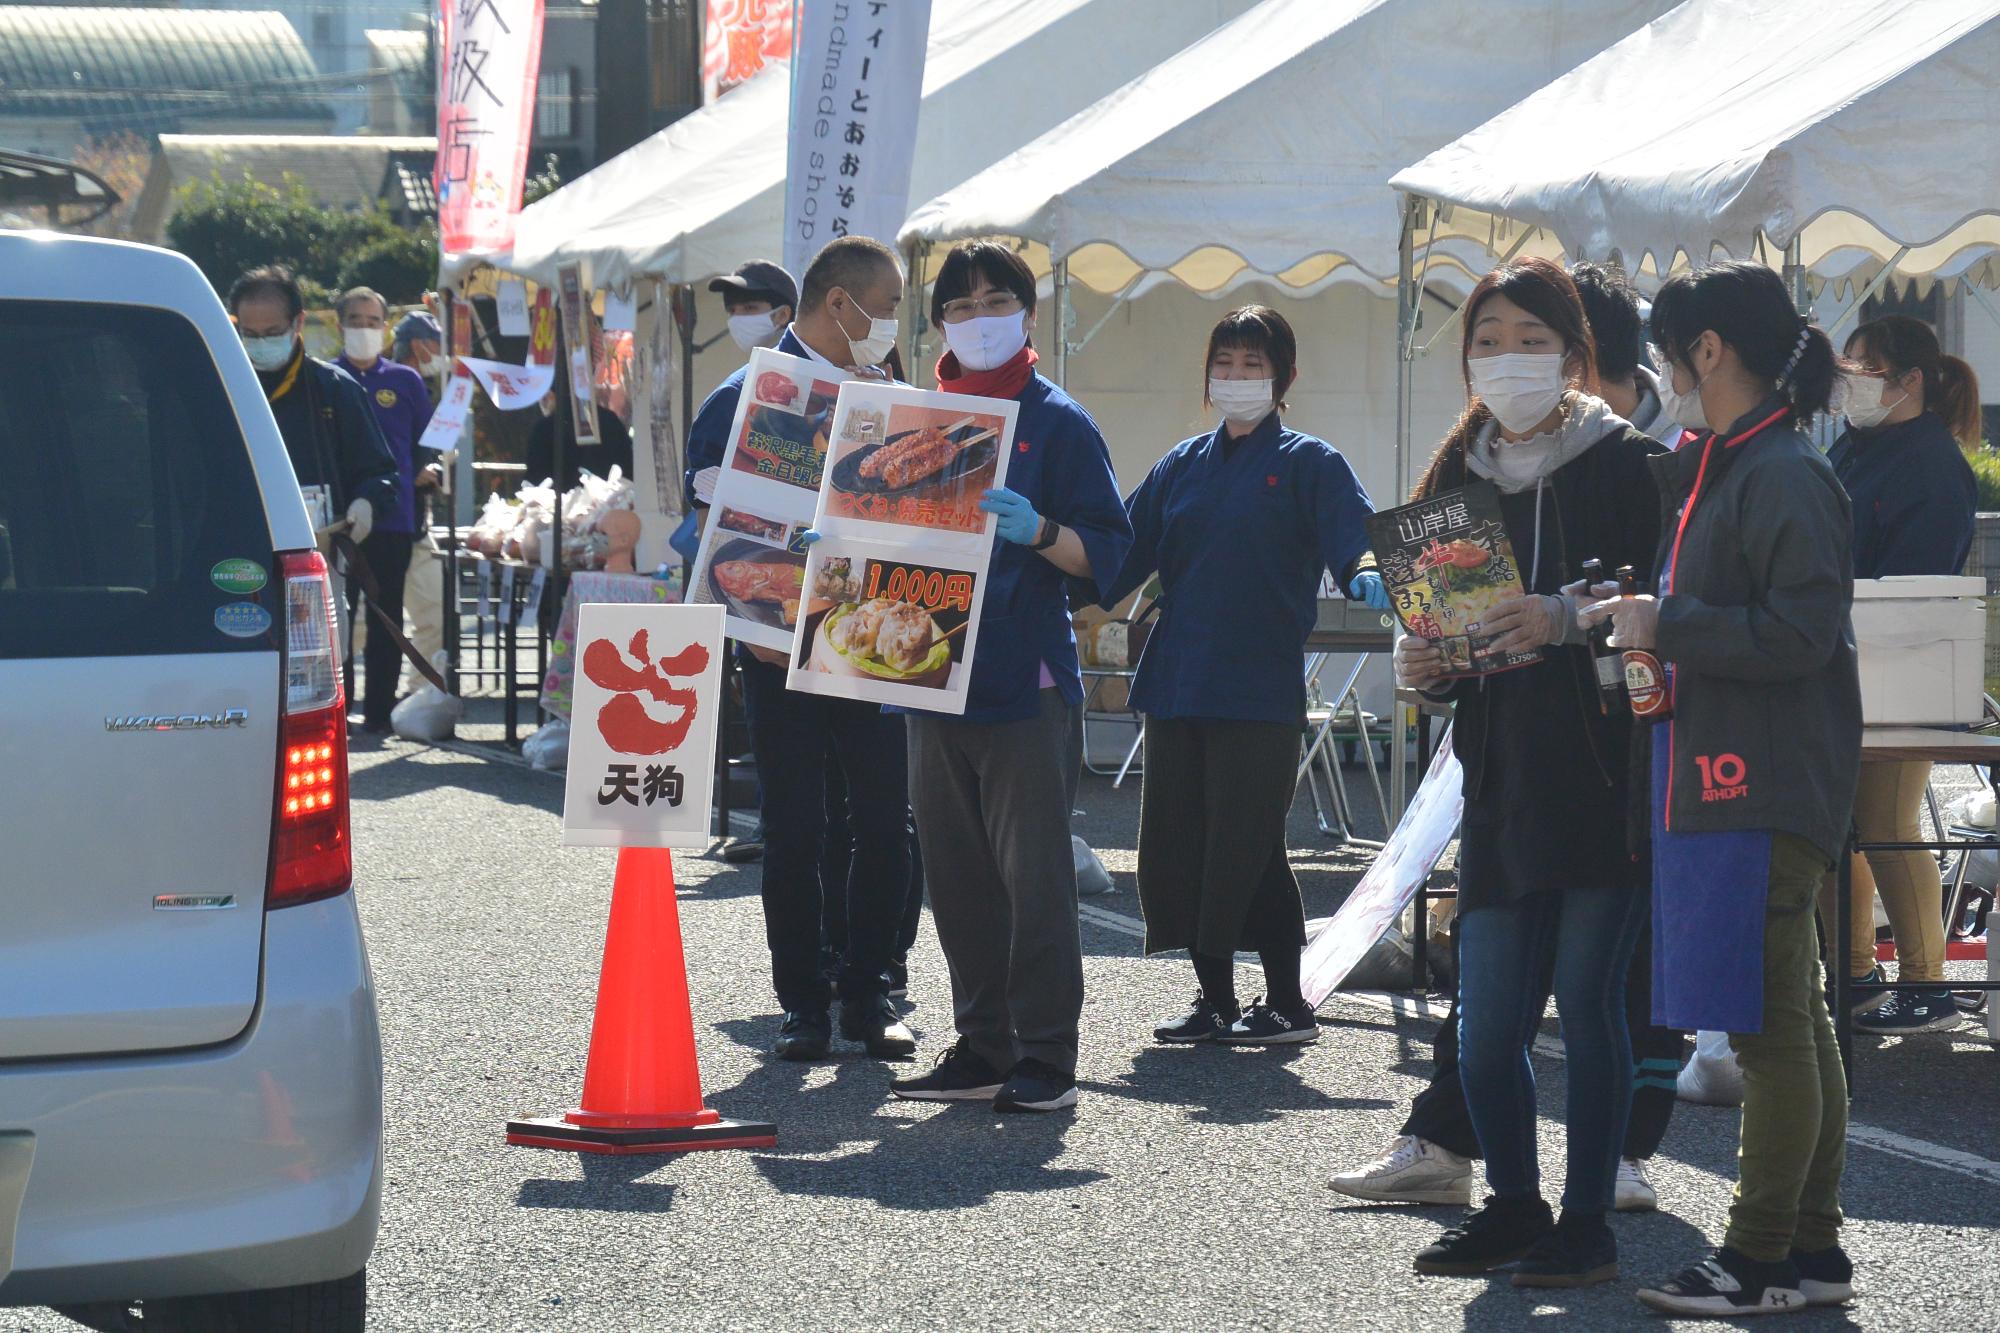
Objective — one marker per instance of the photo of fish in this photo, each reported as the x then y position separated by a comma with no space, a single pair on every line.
758,583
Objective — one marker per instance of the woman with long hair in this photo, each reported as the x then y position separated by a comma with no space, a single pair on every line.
1753,766
1911,413
1547,884
1241,523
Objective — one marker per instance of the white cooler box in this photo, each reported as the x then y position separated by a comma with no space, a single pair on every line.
1922,643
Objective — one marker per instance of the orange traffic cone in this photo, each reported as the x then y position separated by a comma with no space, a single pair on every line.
641,1087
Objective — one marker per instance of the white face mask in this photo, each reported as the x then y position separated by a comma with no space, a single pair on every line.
986,341
361,344
1864,407
1519,388
269,354
1242,402
751,331
1683,409
431,367
881,341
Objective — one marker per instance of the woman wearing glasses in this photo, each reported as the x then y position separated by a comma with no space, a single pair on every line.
990,786
1241,523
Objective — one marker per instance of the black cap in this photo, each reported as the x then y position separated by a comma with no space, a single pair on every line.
760,279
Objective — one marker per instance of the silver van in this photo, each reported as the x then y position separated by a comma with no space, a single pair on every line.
190,1065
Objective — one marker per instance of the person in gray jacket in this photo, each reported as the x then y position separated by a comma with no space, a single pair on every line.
1754,765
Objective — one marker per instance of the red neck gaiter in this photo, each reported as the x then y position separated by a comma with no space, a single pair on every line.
1003,381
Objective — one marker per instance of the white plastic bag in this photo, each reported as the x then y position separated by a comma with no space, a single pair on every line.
429,715
496,520
1091,876
1712,1078
548,748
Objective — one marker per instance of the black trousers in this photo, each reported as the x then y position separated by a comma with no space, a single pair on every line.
793,736
388,557
836,867
1439,1113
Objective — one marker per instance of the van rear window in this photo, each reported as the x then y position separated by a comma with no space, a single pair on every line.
130,520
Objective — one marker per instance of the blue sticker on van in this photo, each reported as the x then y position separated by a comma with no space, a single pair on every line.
242,620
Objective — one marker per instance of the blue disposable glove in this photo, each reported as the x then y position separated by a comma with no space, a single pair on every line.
807,536
1018,520
1369,588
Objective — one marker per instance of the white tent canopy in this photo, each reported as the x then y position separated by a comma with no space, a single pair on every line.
1266,145
707,193
1855,128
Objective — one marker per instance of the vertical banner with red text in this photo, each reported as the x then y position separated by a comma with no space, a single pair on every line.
739,39
489,55
859,80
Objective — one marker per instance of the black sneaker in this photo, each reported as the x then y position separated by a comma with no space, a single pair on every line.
1912,1011
1493,1237
897,980
1036,1085
1826,1277
804,1035
1871,1000
1726,1286
874,1022
743,851
1204,1022
1262,1025
958,1076
1580,1252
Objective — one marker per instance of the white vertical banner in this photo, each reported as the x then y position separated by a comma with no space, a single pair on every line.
857,82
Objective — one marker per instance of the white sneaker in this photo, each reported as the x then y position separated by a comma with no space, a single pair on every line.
1713,1077
1635,1193
1410,1170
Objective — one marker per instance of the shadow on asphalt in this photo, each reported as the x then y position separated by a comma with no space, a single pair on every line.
609,1185
1225,1085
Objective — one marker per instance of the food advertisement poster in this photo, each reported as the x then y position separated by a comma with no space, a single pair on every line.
752,561
1448,563
642,734
894,585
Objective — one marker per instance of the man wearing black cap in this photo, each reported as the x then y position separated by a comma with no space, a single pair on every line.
761,299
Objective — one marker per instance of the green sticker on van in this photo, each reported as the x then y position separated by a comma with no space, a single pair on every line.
239,576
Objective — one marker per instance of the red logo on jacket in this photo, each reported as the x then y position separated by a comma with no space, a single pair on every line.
1723,777
1271,480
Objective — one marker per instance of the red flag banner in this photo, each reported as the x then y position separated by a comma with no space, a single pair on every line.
488,59
739,39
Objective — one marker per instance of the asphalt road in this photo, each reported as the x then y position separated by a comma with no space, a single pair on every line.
1186,1191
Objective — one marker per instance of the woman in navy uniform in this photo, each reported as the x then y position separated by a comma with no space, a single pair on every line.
1240,524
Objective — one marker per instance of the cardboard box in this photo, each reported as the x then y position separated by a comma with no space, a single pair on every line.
1922,645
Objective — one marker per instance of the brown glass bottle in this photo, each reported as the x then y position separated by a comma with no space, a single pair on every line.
1645,678
1608,662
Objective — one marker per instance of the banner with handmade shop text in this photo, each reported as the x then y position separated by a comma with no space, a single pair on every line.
752,560
857,82
894,585
489,55
648,695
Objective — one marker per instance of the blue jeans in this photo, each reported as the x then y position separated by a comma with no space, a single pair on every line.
1504,951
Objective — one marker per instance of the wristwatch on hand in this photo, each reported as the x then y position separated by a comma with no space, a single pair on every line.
1047,537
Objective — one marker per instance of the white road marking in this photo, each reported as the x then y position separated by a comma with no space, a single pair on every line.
1921,1151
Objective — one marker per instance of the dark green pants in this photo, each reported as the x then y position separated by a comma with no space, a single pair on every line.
1794,1090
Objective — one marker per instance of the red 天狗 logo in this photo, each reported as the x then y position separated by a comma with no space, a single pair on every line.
624,722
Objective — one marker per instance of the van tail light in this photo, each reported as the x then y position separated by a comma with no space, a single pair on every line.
312,856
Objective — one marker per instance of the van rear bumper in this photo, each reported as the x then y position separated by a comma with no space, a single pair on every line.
257,1163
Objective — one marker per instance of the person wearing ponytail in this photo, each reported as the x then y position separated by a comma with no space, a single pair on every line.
1549,893
1241,524
1911,413
1754,771
991,787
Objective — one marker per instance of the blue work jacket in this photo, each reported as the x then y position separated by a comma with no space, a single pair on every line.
1239,531
1914,497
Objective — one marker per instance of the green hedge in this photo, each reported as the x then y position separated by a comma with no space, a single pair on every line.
227,227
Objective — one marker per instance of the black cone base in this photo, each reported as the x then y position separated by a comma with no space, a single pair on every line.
558,1133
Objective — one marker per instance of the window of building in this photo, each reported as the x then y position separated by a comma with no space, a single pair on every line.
555,104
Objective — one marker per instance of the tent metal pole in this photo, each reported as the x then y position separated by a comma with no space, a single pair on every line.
1062,323
1870,292
913,297
1408,294
1795,278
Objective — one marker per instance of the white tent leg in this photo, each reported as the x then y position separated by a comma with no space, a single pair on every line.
1062,323
1408,294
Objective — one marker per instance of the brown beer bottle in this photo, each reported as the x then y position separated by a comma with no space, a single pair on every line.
1645,679
1608,661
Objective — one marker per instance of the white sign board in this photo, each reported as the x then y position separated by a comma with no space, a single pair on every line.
1411,853
643,726
859,77
894,586
513,303
511,387
448,422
